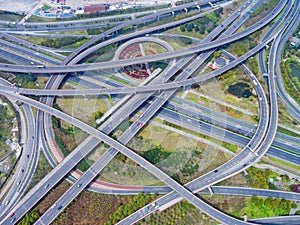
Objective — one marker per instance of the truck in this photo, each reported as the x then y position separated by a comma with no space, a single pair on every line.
251,150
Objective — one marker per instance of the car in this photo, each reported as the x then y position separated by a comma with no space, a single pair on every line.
60,207
139,124
53,206
79,185
11,215
216,171
245,164
22,170
13,220
19,182
27,156
46,186
7,201
31,63
32,137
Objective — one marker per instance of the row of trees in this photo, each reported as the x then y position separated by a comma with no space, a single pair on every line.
207,22
62,42
134,204
289,85
259,178
30,218
267,207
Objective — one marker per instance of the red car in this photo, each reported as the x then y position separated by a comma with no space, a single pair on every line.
11,215
139,124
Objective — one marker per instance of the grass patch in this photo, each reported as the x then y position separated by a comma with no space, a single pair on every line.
9,16
84,164
180,213
65,53
134,204
230,147
284,165
288,132
42,170
156,155
80,108
61,146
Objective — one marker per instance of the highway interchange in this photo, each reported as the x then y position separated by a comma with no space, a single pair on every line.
260,140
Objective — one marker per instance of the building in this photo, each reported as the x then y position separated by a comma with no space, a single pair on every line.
94,8
79,10
61,2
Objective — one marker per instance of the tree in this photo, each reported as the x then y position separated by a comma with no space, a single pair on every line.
182,28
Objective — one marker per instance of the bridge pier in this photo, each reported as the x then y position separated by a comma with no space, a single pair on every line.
210,191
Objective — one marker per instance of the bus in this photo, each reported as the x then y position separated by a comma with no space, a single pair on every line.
251,150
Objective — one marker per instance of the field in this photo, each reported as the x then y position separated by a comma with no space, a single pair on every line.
80,108
87,208
91,208
181,213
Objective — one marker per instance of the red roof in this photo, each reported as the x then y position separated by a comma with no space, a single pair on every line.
94,8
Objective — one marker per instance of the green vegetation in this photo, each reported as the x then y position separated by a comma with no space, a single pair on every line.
5,128
252,63
157,154
42,170
65,53
84,165
124,125
134,204
45,7
206,23
61,146
181,213
30,218
96,31
21,79
292,85
261,12
297,212
102,54
88,208
288,132
259,207
230,147
242,46
184,41
258,178
192,166
9,16
267,5
34,18
160,65
295,73
66,42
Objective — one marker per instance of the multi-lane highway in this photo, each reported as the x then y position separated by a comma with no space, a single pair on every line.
146,59
260,142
